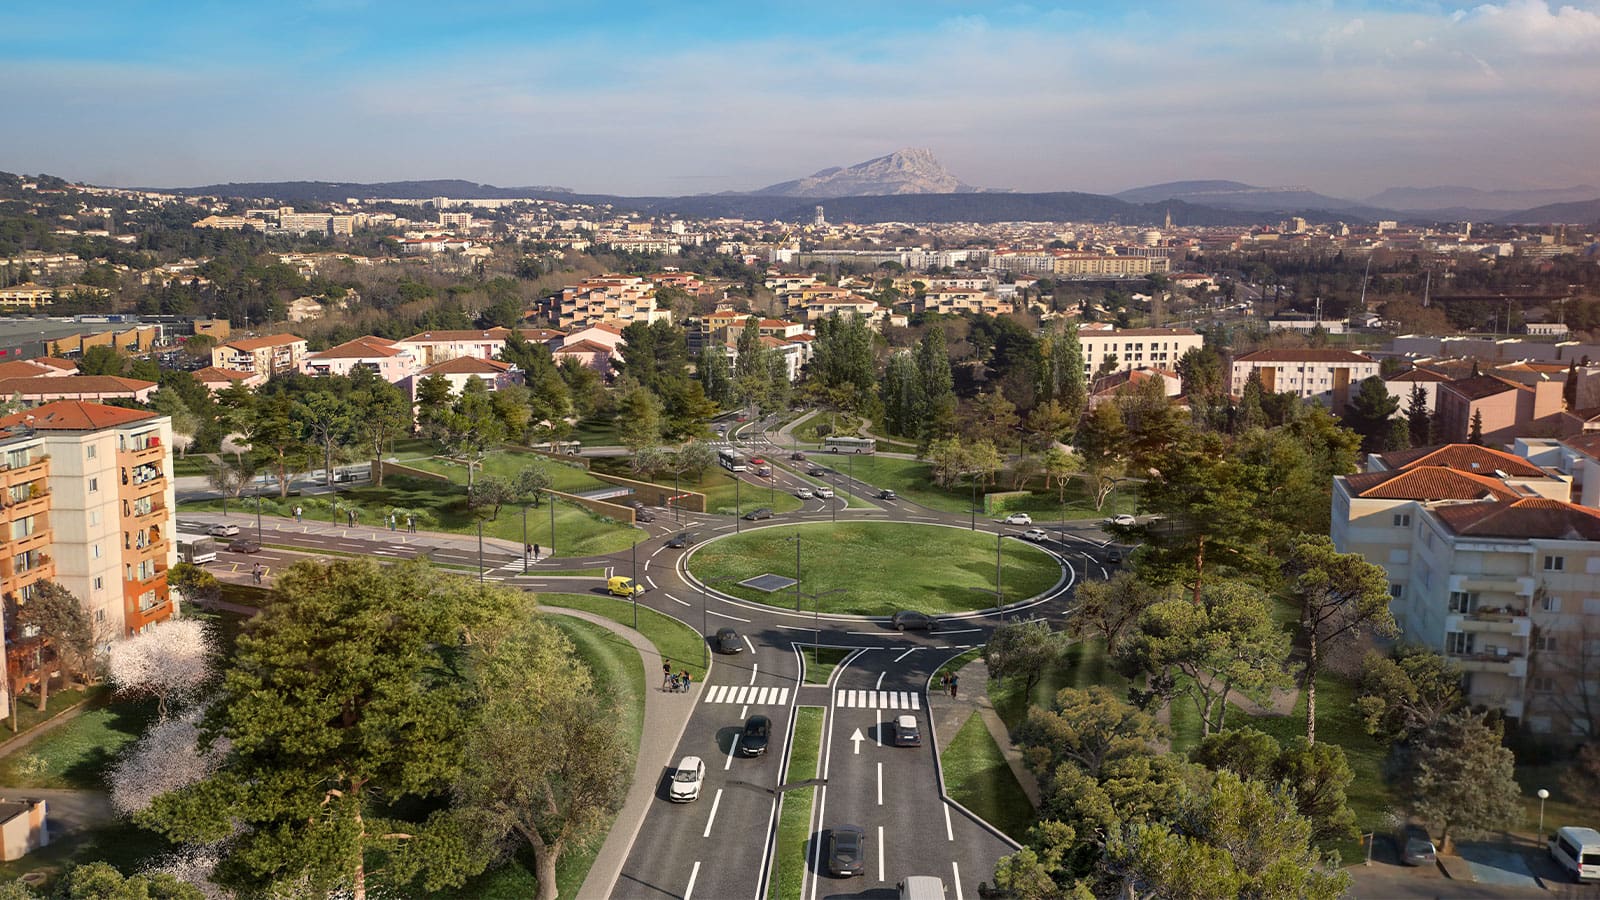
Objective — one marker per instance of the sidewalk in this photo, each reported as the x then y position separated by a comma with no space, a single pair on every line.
973,697
666,715
421,538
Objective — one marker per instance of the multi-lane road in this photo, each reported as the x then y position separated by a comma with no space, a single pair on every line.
722,845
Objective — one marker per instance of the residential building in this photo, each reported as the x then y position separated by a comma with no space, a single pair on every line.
79,387
1401,385
459,370
1136,348
25,526
620,299
274,354
1506,409
388,359
1323,375
216,379
1108,387
431,347
1103,264
304,309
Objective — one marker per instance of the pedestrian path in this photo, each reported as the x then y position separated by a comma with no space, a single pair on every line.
877,699
950,713
744,693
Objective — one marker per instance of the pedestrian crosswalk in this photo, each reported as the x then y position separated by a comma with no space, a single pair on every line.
877,699
746,693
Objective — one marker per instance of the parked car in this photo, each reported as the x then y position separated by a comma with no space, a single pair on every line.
1123,519
803,493
757,514
683,539
623,586
797,455
1416,848
910,619
886,494
1577,850
847,850
906,733
223,530
727,641
1036,534
687,779
753,739
240,545
825,493
1018,519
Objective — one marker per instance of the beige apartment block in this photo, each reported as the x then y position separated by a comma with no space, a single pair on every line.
1327,376
1137,348
275,354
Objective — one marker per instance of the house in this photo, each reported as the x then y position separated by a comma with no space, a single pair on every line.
1505,408
216,379
18,368
388,359
1136,348
275,354
1109,386
588,353
34,391
430,347
457,371
1401,385
304,309
1327,376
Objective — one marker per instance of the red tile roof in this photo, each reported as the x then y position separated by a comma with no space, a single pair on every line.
1419,374
58,363
1588,443
359,348
261,343
584,346
75,415
1428,483
467,365
19,368
1534,517
496,333
76,384
1463,458
216,375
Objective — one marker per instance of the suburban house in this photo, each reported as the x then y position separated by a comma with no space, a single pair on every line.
458,371
432,347
216,379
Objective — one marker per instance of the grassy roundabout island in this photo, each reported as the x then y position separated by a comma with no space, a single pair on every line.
881,567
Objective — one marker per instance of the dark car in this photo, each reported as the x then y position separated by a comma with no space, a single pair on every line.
906,733
797,455
1416,848
753,740
683,539
886,494
755,514
727,641
243,546
913,620
1114,555
816,471
847,851
641,513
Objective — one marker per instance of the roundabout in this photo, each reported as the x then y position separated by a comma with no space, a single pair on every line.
874,568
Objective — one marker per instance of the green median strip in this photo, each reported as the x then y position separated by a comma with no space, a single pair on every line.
678,644
821,661
976,776
794,822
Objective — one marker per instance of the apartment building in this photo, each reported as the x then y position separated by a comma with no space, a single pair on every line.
459,370
1106,264
275,354
1323,375
613,298
1489,568
1137,348
391,361
1505,408
431,347
77,387
952,302
25,527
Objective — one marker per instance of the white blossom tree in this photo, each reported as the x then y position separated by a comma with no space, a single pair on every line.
168,756
170,662
194,865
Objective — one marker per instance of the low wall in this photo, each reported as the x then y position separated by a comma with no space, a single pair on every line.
657,494
394,468
568,458
599,507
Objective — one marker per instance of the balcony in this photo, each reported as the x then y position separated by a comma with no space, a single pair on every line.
1492,620
38,468
152,452
1500,662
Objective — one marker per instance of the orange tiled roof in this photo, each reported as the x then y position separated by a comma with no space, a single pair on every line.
1428,483
214,374
1463,458
18,368
261,343
358,349
467,365
75,415
1533,517
584,346
497,333
77,384
57,363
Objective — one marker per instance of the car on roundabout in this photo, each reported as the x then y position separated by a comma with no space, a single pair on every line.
687,779
1122,519
911,620
798,455
886,494
1037,535
816,471
683,539
623,586
824,493
727,641
803,493
756,515
753,739
223,530
1018,519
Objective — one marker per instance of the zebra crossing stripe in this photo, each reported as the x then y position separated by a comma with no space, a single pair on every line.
783,696
715,694
839,698
916,701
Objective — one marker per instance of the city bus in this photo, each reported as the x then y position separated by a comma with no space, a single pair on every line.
732,460
850,445
197,549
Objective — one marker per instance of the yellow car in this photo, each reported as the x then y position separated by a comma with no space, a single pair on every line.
623,586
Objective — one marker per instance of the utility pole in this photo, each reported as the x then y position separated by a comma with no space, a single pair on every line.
999,598
525,538
633,593
552,499
736,480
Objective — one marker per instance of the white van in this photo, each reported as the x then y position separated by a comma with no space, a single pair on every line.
922,887
1578,851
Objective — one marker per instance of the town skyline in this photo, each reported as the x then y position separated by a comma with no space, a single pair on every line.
1348,99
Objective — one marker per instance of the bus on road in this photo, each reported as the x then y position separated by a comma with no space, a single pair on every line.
850,445
732,460
196,549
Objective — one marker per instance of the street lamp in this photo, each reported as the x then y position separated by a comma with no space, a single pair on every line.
525,543
633,592
480,553
999,539
736,480
677,495
258,518
1543,795
552,499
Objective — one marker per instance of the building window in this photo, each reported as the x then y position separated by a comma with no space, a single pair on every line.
1550,603
1463,602
94,517
1542,684
99,583
88,453
1555,563
1396,590
1458,642
1402,520
99,614
95,549
1544,642
94,485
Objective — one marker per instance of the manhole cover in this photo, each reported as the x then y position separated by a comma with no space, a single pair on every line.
768,583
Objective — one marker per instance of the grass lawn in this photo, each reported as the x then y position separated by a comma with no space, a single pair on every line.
882,567
618,674
28,715
837,482
826,424
189,465
76,754
595,572
578,532
1082,665
794,820
821,661
677,643
507,463
718,486
1561,809
913,480
977,777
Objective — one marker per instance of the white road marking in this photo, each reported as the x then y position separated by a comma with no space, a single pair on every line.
734,748
754,668
879,685
916,701
676,600
963,631
715,694
880,799
907,653
949,833
856,737
880,849
695,873
652,582
713,817
744,692
712,612
748,644
955,869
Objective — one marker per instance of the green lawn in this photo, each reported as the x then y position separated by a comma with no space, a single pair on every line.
506,463
28,715
189,465
594,572
977,777
76,754
719,487
798,470
794,821
677,643
821,661
881,567
913,480
578,532
122,844
619,675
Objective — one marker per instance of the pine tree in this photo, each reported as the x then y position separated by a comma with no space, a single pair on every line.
1417,415
1475,431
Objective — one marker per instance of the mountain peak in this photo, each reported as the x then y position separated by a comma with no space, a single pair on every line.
909,170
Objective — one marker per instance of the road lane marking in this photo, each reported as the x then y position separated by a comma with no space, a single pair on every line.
652,582
856,737
713,817
712,612
675,600
880,853
949,833
962,631
750,645
953,868
907,653
754,668
760,697
695,873
733,748
879,685
744,712
744,692
880,797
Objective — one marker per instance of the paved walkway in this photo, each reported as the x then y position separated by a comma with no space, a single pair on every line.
66,811
949,714
420,539
666,714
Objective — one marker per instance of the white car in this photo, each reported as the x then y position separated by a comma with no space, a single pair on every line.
1123,519
686,780
1018,519
1035,534
825,493
803,493
223,530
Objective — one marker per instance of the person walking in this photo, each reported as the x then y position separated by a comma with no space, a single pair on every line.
535,552
392,522
683,680
411,525
255,573
954,682
297,513
666,675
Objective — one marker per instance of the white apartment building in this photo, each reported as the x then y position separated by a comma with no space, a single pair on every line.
430,347
1137,348
391,361
1324,375
1487,567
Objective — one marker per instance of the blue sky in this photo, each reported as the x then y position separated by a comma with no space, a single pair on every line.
635,98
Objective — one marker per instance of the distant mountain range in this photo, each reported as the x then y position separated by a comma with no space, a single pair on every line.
1236,195
1458,197
912,170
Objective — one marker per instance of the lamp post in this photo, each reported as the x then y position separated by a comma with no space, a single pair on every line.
816,621
1543,795
525,539
705,626
552,499
633,592
480,553
999,539
974,504
676,496
258,518
736,480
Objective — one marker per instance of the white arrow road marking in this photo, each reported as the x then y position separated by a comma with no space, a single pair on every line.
856,739
754,668
713,817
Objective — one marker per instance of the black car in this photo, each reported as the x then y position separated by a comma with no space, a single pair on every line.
1416,847
755,514
727,641
908,619
753,740
243,546
886,494
797,455
847,850
683,539
816,471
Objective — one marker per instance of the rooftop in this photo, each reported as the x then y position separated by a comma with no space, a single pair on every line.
467,365
261,343
1428,483
75,415
1533,517
1304,355
1481,386
1463,458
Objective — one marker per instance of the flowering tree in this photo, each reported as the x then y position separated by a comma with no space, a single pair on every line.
165,758
170,662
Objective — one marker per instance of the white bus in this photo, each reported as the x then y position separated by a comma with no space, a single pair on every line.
732,460
196,549
850,445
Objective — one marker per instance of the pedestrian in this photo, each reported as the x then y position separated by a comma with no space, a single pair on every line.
954,682
527,551
686,679
350,516
392,522
666,675
535,552
944,682
411,524
255,573
297,512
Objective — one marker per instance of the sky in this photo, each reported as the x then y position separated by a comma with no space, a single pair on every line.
653,98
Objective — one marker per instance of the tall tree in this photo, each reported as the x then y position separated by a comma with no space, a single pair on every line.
1369,411
1405,695
277,440
1102,442
900,395
1340,596
639,419
433,404
329,420
1022,650
471,427
1061,369
1475,428
936,408
1417,418
57,620
1463,778
385,413
1110,609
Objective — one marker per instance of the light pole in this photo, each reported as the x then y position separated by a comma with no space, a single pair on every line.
677,495
999,598
480,553
258,518
1543,795
552,499
633,592
525,539
974,505
736,480
705,626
